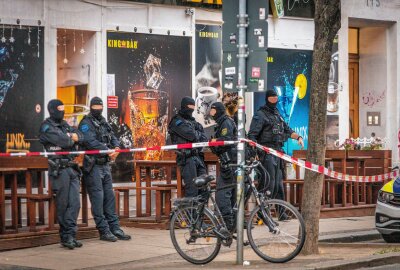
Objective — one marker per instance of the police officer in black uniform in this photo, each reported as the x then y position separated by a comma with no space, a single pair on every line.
98,135
64,173
269,129
225,130
183,128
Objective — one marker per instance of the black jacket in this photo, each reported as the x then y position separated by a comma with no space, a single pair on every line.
225,130
98,134
55,137
183,130
269,129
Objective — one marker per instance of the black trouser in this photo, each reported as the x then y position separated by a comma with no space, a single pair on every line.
66,188
99,186
193,166
274,177
225,197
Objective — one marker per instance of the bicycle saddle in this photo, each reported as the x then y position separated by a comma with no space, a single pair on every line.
203,180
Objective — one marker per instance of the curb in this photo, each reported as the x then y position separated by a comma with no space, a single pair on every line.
350,237
375,260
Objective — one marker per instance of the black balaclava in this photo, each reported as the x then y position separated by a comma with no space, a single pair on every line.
185,111
270,93
220,108
96,112
55,114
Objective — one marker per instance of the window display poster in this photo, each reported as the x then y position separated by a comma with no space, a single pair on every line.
290,76
150,76
21,88
208,76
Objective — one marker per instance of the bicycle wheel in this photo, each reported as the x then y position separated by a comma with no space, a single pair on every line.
285,239
194,238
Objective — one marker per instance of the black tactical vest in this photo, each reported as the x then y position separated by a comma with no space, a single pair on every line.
273,135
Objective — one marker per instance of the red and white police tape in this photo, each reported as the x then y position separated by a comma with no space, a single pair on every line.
305,164
131,150
321,169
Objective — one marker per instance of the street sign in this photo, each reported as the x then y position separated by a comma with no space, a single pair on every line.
230,71
256,71
257,35
257,9
257,41
230,33
230,37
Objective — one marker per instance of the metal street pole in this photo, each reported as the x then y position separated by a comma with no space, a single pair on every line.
242,46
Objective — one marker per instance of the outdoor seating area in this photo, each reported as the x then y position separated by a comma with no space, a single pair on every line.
27,199
31,210
344,198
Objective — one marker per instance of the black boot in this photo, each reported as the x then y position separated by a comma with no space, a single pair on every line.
108,236
77,243
68,243
121,235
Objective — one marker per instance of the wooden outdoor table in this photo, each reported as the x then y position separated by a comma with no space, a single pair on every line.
329,185
148,164
359,163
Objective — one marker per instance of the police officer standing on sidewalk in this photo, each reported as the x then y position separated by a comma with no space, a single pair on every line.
183,128
56,135
98,135
269,129
225,131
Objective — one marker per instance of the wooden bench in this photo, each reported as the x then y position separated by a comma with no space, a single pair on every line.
163,200
13,196
40,199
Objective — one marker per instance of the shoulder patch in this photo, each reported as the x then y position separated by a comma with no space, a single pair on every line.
85,128
224,131
45,127
178,122
256,117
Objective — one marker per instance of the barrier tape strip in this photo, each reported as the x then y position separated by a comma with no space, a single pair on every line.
131,150
305,164
322,170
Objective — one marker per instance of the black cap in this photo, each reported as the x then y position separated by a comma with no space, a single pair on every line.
55,114
271,93
187,101
96,101
220,108
53,104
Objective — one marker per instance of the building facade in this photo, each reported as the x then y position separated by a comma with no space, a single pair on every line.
85,48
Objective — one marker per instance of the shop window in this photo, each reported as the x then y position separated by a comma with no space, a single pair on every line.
353,40
75,56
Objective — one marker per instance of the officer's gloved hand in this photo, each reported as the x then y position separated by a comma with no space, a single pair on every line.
301,142
74,137
114,155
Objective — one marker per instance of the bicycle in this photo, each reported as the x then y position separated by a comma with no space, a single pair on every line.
197,232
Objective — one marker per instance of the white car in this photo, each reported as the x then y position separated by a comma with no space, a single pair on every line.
387,214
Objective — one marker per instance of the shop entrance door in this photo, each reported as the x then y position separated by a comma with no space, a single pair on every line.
353,96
